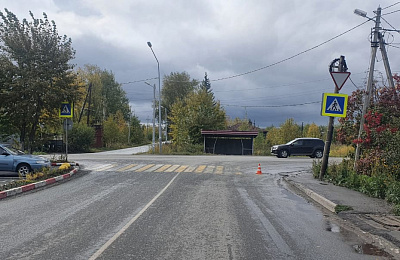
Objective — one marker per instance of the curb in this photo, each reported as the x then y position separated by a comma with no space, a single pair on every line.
385,244
59,164
329,205
32,186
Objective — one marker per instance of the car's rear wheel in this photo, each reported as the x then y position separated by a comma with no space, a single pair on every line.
283,154
318,154
23,169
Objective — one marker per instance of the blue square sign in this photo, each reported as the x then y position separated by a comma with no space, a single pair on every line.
334,104
66,110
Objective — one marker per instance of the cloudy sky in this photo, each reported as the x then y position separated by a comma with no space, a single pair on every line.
267,60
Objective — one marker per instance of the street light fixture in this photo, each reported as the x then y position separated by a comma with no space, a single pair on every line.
154,114
360,12
159,97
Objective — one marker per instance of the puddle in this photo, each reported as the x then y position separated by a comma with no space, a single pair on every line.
332,227
369,249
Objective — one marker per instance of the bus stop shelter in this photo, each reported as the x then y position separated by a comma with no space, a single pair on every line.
229,142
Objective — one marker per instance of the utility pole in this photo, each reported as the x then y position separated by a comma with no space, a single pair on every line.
342,67
386,61
367,97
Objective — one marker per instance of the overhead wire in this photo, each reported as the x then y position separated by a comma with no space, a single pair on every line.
272,106
275,63
390,5
291,57
390,13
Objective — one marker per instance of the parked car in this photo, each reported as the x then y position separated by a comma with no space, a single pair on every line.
313,147
19,162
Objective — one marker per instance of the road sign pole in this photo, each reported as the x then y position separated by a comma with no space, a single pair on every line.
66,139
342,68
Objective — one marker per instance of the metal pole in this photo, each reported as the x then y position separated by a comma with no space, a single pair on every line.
367,98
159,98
154,116
66,140
386,61
166,125
327,148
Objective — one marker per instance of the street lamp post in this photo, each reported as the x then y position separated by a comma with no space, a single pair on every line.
154,114
367,97
159,98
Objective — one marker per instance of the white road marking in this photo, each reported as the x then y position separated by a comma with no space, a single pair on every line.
119,233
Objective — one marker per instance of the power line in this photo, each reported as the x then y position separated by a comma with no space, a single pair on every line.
137,81
271,106
291,57
390,13
397,47
273,64
390,25
390,6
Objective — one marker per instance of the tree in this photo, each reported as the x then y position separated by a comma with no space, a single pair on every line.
80,138
37,75
287,132
313,131
137,132
107,96
195,113
290,130
176,87
205,84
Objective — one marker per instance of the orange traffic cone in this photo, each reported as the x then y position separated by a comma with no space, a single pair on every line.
259,169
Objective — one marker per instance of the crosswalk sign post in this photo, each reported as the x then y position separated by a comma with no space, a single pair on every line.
334,105
66,111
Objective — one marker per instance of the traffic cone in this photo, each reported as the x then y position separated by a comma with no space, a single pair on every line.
259,169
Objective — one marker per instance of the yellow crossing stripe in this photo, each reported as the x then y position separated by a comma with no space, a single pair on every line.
126,167
219,170
155,167
145,168
200,169
166,168
172,168
182,168
163,168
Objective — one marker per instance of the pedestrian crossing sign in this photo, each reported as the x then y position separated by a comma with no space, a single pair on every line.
66,110
334,104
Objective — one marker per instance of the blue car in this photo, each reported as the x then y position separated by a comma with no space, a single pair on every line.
21,163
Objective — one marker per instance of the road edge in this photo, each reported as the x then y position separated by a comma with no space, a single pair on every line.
383,243
32,186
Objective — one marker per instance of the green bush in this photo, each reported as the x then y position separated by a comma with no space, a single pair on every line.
393,192
80,138
380,185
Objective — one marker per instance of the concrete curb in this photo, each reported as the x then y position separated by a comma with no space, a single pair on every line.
329,205
32,186
383,243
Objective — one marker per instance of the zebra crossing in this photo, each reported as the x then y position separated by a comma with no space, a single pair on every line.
160,168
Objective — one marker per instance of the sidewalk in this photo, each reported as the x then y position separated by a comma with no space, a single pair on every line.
370,217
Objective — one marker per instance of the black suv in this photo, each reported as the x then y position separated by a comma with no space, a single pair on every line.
312,147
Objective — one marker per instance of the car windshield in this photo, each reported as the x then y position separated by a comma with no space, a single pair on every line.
291,142
10,150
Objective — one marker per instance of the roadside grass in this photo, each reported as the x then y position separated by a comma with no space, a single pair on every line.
379,185
340,208
338,150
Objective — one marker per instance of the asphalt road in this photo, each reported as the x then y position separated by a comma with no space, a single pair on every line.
197,207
